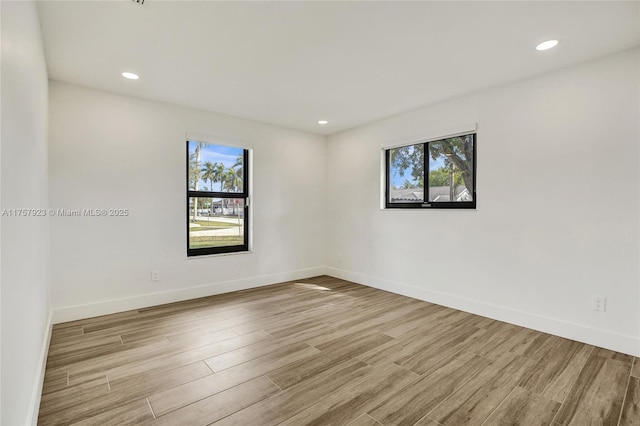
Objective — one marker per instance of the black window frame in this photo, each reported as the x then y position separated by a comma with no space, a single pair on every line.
426,204
202,251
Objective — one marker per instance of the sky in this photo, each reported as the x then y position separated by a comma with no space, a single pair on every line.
397,180
226,155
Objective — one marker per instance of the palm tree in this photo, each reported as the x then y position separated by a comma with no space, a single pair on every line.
217,173
211,172
231,182
208,173
196,175
194,171
239,177
238,167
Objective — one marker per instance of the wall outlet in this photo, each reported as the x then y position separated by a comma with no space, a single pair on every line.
599,303
155,276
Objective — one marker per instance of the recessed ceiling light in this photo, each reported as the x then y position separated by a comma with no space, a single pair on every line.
323,122
130,75
546,45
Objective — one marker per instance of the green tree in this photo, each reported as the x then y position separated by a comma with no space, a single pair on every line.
194,170
408,185
232,183
197,180
409,157
457,153
208,173
442,177
238,182
239,170
195,173
238,163
217,173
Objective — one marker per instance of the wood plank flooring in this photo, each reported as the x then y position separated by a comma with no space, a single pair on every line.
324,351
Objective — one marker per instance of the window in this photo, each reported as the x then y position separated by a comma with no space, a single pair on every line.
446,168
217,199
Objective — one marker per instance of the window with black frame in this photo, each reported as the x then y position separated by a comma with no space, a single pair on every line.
439,173
217,198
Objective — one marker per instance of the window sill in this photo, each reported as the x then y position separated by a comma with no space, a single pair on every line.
234,253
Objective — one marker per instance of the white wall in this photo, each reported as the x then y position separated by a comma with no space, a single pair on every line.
557,215
112,151
25,310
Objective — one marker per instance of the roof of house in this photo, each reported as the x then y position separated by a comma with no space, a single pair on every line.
415,195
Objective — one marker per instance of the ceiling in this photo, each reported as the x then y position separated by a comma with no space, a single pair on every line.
294,63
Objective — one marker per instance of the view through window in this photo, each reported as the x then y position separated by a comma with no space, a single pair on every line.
217,198
446,168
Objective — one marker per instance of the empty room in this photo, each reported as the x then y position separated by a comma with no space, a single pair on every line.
354,213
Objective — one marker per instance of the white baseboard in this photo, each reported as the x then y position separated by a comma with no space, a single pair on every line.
73,313
593,336
42,366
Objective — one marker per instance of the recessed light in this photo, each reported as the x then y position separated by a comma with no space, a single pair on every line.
130,75
323,122
546,45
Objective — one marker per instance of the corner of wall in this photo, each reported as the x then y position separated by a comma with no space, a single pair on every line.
72,313
325,242
597,337
39,382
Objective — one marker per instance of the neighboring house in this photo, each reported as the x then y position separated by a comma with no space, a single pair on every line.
437,193
218,208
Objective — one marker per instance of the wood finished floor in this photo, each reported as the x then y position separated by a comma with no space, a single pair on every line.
331,352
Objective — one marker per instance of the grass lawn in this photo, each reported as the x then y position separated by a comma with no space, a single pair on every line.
215,223
213,241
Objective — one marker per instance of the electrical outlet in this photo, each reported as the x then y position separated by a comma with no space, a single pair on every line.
155,276
599,303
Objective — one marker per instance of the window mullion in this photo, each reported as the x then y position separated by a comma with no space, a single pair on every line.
425,170
388,183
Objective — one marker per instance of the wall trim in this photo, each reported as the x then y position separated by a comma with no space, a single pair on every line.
32,419
72,313
593,336
581,333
